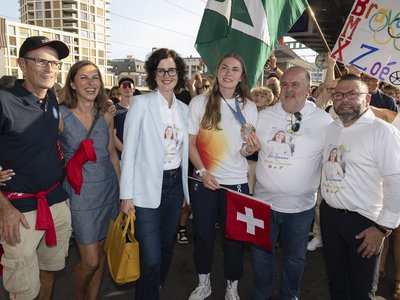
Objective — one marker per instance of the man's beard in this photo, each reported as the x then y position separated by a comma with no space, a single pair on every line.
348,116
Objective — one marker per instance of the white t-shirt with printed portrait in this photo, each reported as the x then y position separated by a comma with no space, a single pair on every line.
288,169
368,150
173,130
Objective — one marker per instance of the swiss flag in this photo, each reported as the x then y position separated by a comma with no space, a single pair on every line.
248,220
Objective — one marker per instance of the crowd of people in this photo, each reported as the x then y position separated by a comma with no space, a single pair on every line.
279,143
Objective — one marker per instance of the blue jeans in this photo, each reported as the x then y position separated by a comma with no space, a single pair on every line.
292,230
155,230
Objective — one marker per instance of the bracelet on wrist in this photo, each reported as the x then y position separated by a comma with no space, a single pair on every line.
201,172
245,152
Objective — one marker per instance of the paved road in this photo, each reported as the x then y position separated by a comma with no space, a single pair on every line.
182,278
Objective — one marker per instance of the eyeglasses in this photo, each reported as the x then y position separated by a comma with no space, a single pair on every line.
171,72
126,85
338,96
294,126
43,63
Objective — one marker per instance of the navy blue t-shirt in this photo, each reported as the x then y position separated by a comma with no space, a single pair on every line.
119,121
28,139
381,100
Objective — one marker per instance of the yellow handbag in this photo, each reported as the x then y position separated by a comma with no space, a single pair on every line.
122,250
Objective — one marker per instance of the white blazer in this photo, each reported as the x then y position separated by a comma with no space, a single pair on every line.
142,163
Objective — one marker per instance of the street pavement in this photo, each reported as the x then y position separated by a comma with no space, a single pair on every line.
182,278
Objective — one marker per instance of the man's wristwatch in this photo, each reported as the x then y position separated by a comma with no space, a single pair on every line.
385,231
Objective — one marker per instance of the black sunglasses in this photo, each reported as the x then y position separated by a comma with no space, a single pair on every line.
294,126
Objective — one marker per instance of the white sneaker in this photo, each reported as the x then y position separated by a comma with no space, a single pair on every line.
314,244
181,238
231,294
201,292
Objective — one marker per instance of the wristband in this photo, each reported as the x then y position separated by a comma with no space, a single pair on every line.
201,171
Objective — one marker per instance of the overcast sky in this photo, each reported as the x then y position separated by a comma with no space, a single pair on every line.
137,26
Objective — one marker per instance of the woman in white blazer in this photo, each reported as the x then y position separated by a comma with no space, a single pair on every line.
154,180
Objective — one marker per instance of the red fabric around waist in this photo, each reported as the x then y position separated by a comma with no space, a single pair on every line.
44,219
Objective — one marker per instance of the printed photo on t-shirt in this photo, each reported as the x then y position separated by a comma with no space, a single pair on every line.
277,146
334,168
170,140
172,143
279,149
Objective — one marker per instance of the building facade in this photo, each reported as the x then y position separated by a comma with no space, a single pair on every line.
82,24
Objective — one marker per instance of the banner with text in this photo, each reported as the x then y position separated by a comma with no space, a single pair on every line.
370,39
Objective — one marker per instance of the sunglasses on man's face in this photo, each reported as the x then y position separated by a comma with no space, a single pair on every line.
126,85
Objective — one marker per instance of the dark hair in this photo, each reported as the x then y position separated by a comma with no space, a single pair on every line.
70,99
7,82
212,115
348,77
128,79
115,87
152,63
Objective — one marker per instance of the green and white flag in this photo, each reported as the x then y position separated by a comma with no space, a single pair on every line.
250,28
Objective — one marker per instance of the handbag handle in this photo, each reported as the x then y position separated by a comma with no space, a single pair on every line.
129,224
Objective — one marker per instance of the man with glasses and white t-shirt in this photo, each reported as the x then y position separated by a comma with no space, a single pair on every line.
288,182
361,207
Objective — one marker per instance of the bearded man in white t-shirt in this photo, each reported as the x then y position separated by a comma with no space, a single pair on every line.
289,182
360,209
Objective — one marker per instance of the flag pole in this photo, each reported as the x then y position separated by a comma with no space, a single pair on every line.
321,35
233,191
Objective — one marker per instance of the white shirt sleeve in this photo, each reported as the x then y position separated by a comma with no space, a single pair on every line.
196,112
390,213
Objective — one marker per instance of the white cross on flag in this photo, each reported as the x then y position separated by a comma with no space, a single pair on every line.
248,220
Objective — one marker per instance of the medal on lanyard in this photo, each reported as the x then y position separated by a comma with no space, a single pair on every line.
246,128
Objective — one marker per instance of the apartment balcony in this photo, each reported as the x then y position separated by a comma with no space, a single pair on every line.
70,27
69,16
69,7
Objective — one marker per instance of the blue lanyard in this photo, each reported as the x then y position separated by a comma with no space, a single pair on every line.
237,113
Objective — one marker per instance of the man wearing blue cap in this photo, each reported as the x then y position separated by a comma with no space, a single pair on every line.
35,220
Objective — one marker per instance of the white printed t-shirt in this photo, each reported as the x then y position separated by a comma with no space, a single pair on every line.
172,126
220,149
366,151
288,169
